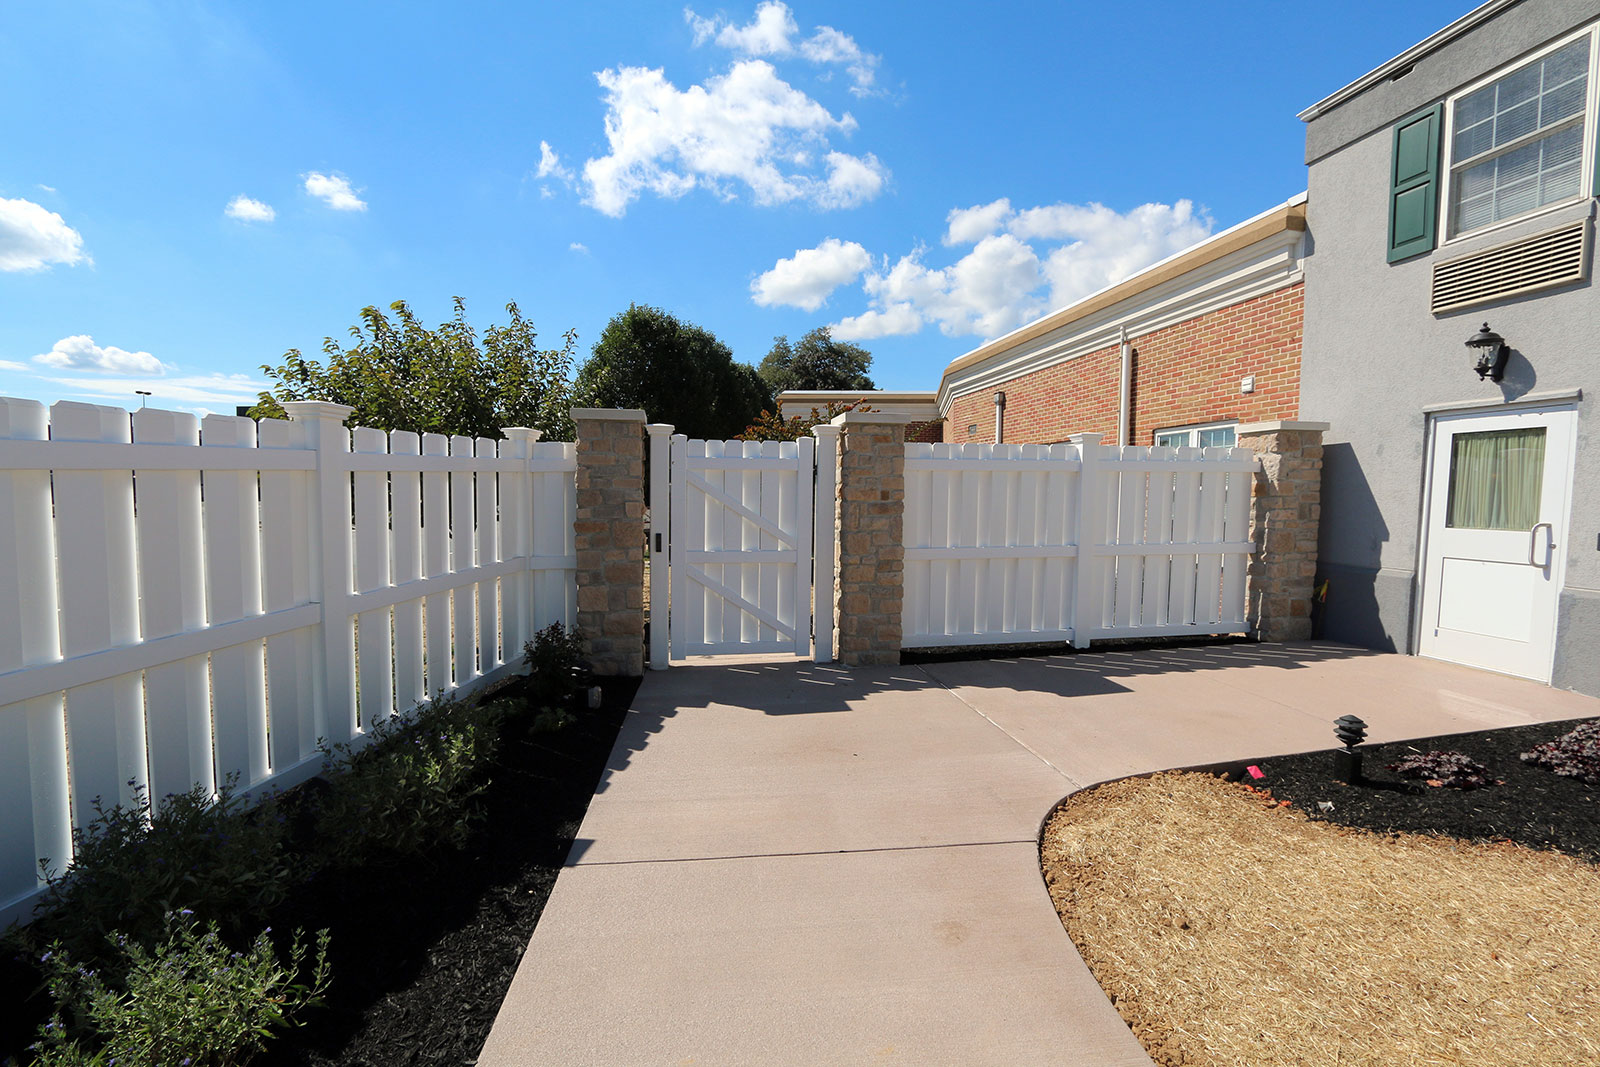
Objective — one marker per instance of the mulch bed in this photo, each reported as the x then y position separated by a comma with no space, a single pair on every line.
1534,807
422,955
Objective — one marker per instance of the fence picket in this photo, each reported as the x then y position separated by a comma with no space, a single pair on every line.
405,503
34,804
172,601
486,494
287,500
436,564
99,609
463,557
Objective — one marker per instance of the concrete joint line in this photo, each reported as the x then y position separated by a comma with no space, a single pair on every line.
814,852
1076,785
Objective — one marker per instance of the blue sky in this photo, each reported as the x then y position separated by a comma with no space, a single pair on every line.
189,189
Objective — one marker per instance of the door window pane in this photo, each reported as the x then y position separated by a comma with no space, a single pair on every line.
1495,479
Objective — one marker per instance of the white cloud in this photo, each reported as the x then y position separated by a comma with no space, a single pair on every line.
581,249
966,225
1022,264
1106,246
198,392
805,280
46,188
79,352
334,190
773,32
550,164
11,364
748,127
246,209
32,237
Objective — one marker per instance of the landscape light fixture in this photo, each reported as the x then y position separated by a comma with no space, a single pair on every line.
1492,352
142,394
1350,731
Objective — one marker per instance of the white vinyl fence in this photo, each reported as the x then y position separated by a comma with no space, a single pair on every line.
182,600
1074,542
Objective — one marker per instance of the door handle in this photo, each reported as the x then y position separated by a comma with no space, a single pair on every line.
1533,539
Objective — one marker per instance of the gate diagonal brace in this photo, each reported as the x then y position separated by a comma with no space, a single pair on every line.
738,507
744,605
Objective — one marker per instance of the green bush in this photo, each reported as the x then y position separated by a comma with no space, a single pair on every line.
555,666
189,1000
409,788
129,870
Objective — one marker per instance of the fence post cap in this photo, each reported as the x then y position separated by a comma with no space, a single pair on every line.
616,414
659,429
317,409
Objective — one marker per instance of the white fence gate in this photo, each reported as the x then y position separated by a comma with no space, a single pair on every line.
1074,542
182,600
739,553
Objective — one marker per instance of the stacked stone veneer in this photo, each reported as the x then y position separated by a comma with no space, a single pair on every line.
609,538
1286,507
869,526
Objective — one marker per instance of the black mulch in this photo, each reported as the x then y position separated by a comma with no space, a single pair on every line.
423,957
1534,807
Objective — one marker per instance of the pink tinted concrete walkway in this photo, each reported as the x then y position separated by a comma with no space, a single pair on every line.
793,864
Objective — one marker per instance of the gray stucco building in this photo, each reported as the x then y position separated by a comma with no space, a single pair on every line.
1453,187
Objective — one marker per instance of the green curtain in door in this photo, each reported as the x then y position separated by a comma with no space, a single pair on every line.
1495,479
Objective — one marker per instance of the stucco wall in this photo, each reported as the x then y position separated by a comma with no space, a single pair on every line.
1375,358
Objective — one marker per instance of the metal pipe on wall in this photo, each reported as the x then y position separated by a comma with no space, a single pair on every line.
999,418
1125,389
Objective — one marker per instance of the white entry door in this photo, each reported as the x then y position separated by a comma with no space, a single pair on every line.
1496,539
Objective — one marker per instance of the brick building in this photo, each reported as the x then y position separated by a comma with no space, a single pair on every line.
1180,353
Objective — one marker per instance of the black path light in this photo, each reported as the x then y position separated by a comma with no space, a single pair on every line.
1350,731
1492,352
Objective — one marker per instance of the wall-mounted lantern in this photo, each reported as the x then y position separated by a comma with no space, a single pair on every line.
1492,352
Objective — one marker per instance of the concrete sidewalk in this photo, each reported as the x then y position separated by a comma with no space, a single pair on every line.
793,864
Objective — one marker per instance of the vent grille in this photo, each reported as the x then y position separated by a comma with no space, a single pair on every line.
1555,257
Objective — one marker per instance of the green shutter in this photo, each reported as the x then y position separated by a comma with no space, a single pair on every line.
1414,184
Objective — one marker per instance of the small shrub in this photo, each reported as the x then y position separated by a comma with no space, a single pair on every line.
1575,754
408,789
555,666
1454,770
189,1000
129,870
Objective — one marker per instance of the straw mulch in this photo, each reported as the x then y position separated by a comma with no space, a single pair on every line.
1228,929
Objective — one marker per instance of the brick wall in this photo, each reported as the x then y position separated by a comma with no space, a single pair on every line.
1183,374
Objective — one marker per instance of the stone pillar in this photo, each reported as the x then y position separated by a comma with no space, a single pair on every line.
1286,506
609,538
870,537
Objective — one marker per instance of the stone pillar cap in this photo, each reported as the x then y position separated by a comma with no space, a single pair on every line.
618,414
880,418
1274,425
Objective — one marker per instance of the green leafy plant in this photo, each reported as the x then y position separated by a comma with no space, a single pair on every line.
131,867
409,787
190,999
556,669
1453,770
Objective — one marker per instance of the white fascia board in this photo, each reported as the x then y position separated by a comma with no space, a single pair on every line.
1267,265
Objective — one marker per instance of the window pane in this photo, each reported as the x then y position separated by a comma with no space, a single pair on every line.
1178,439
1496,478
1220,436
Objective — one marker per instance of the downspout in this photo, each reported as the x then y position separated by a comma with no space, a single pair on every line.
999,418
1125,389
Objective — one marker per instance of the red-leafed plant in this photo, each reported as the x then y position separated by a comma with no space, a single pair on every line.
1575,754
1453,770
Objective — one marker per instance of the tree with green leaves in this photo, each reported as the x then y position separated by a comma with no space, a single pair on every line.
816,361
676,371
400,375
774,427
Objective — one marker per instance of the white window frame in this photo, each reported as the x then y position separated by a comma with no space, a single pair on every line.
1586,164
1193,433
